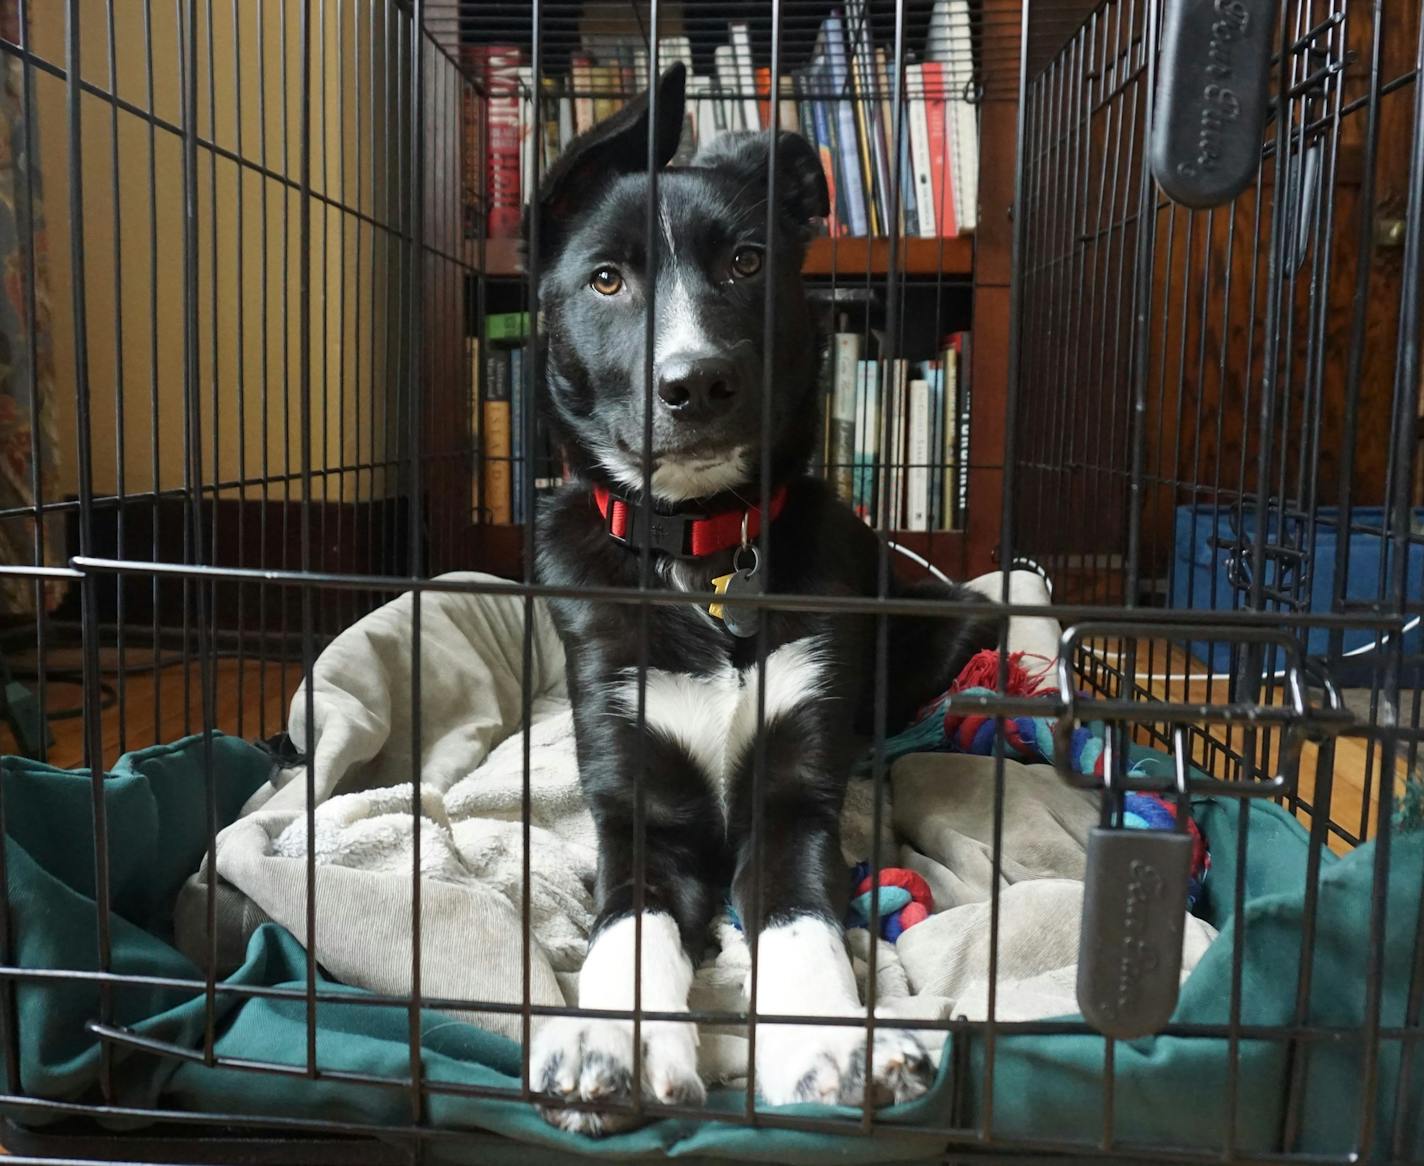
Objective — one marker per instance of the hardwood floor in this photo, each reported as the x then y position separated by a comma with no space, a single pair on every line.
145,707
1349,778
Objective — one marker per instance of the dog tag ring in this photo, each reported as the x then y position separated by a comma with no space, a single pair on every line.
740,619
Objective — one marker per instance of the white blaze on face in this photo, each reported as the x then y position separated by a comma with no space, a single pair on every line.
679,330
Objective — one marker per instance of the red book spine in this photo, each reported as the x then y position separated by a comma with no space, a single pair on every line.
502,180
471,157
763,88
938,125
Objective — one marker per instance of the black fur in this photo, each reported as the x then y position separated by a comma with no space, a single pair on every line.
592,212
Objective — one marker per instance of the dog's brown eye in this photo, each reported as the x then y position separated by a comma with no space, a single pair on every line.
607,281
746,261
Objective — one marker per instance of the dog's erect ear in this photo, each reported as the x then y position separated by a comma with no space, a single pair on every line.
800,181
618,145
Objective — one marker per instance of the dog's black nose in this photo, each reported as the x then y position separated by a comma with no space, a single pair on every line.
697,387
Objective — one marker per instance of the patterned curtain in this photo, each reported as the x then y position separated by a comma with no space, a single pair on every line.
27,414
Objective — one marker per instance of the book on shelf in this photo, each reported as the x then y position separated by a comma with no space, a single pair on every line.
937,125
951,45
497,66
920,155
472,410
866,441
514,473
518,454
472,160
896,450
894,444
495,431
787,114
834,81
897,131
581,81
905,428
962,343
912,172
745,76
869,111
840,457
821,117
917,457
725,62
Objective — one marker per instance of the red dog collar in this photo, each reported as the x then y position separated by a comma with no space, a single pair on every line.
684,536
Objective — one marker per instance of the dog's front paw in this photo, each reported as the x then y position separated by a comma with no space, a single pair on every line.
800,1063
592,1060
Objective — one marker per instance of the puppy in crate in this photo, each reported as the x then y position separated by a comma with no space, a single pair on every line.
694,747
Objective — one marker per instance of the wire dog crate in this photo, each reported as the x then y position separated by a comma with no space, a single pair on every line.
271,373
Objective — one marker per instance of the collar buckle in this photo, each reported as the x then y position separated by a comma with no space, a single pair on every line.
645,527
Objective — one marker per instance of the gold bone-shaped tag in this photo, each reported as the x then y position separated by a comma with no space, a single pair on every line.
719,585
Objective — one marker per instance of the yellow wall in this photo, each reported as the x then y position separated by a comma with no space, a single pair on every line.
238,366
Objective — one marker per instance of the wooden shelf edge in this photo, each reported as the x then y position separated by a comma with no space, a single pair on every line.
871,257
848,258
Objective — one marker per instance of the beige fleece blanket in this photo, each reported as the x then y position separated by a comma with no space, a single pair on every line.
471,778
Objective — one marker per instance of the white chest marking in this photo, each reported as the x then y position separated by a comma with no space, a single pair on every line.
713,717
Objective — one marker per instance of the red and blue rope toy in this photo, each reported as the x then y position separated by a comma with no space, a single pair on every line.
905,898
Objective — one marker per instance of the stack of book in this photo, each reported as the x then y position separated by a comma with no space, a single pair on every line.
896,438
508,465
915,175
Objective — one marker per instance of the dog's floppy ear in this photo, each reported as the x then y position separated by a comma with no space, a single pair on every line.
618,145
800,181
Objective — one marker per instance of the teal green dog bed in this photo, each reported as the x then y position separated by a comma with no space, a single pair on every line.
1170,1090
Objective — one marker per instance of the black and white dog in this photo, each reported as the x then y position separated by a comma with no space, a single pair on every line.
696,740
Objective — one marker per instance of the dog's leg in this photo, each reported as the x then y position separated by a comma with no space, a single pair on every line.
799,898
591,1058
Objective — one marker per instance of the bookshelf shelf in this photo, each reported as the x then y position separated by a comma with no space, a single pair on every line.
847,258
852,257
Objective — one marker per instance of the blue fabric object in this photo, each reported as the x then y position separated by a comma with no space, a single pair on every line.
1211,543
891,900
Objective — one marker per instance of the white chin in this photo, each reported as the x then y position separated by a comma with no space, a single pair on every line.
680,478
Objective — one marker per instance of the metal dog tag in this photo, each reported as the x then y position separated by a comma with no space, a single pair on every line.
1134,916
740,620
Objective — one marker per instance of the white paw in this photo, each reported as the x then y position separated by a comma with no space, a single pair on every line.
801,1063
592,1060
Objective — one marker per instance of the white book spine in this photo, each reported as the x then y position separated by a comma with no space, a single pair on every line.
527,130
952,467
917,474
727,85
895,455
920,150
566,122
704,112
845,352
746,77
965,157
867,437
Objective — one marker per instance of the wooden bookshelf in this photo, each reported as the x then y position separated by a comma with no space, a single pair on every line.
848,258
851,257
